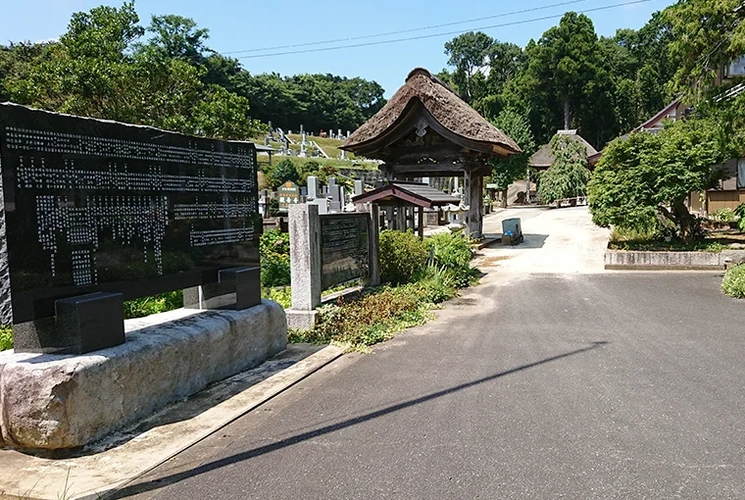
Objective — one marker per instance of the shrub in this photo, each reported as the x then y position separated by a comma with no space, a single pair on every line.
154,304
733,283
402,256
274,251
439,284
281,295
725,216
452,252
740,212
6,338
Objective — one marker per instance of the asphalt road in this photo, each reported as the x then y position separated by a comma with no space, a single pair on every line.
529,386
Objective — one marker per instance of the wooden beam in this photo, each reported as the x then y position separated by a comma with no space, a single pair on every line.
421,223
432,169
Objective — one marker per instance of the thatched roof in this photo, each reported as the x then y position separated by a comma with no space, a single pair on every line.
544,157
443,104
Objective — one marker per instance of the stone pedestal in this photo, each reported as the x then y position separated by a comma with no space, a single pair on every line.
63,401
305,275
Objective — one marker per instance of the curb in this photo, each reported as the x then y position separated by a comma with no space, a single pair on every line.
126,457
622,260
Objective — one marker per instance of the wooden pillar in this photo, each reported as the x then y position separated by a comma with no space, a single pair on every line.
475,199
400,217
410,217
421,223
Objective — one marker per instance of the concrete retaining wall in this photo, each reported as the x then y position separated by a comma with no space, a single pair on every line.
54,401
629,260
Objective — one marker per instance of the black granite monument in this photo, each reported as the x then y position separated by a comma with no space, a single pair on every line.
98,212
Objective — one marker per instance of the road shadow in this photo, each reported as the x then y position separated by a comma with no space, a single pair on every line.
139,488
530,242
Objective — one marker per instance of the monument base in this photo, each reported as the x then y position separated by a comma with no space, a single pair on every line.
301,320
53,401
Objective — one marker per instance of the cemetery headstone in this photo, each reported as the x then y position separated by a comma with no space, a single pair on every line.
98,207
334,194
312,187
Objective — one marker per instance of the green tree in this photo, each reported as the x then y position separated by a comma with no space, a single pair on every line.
707,34
178,37
507,170
284,171
568,175
469,54
648,174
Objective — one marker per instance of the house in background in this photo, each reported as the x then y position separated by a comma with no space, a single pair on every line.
542,160
730,192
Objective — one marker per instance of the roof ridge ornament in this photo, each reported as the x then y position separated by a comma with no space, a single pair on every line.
421,127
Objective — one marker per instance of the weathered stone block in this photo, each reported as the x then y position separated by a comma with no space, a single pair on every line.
62,401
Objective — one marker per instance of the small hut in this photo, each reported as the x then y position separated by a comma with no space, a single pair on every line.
544,157
426,130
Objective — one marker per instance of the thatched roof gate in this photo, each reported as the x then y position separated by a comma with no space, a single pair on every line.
426,130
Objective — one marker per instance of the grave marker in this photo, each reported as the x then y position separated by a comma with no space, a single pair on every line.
289,194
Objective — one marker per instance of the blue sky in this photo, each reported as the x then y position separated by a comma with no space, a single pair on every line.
241,25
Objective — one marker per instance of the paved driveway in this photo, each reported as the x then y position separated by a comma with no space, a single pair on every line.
572,385
556,241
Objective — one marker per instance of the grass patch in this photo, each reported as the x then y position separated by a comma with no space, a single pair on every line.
6,338
733,283
368,320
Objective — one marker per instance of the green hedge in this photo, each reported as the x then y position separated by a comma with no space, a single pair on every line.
733,283
402,256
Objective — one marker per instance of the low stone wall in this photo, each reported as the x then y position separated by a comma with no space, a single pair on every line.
56,401
630,260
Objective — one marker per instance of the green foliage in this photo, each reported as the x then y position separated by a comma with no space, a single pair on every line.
402,256
101,68
641,176
274,253
6,338
511,168
368,320
282,295
740,212
568,175
707,34
725,216
154,304
451,254
733,283
282,172
317,101
377,316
